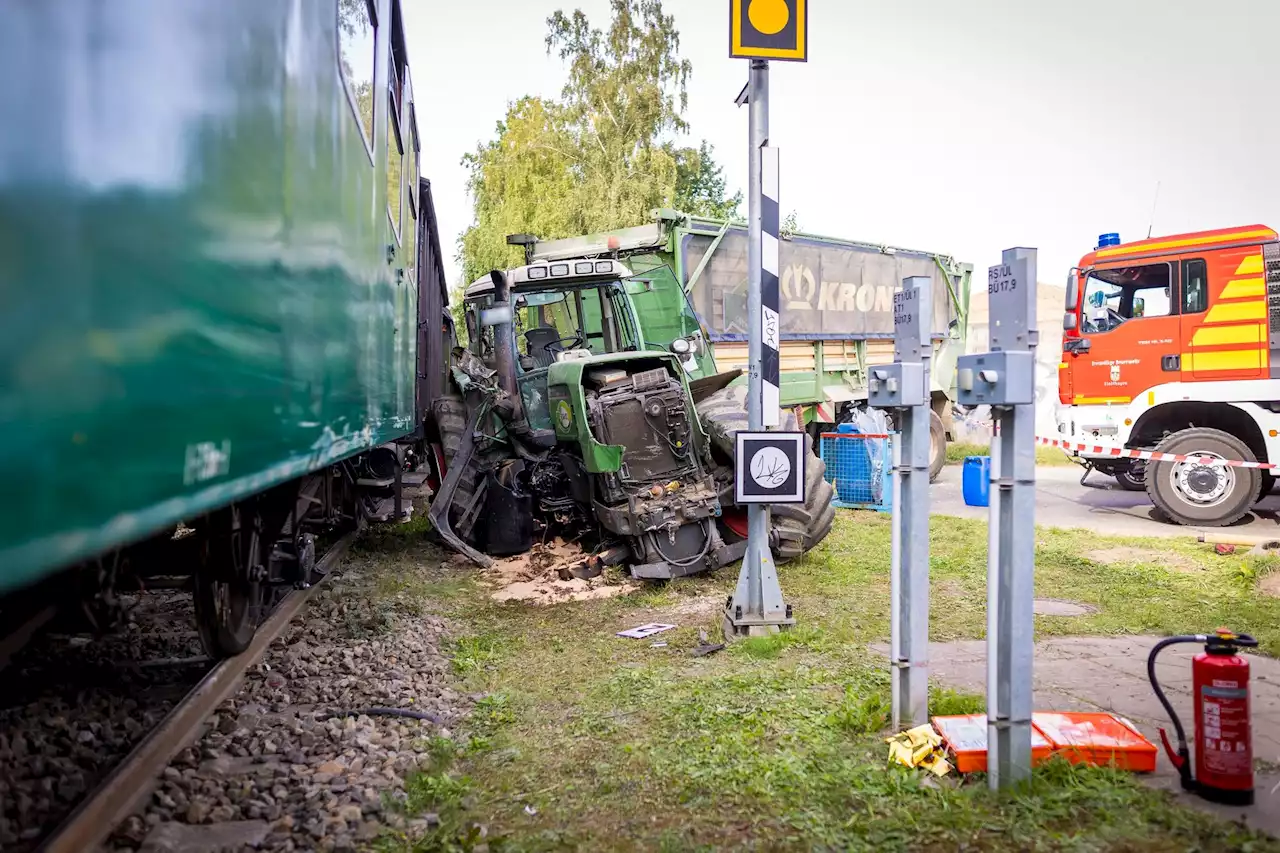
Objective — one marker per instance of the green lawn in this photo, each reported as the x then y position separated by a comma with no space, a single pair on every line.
957,451
592,742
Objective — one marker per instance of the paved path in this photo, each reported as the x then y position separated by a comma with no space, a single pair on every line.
1099,505
1110,674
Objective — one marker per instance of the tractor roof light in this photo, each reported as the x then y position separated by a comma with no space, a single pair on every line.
537,272
559,269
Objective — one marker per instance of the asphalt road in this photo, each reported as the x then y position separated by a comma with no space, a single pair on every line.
1099,505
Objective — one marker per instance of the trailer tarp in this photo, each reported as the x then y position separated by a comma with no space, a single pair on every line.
828,289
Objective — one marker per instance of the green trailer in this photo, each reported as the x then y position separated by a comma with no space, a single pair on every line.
836,299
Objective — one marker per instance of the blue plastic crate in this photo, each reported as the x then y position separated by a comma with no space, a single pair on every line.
860,467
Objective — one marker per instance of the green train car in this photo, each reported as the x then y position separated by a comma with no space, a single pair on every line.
217,266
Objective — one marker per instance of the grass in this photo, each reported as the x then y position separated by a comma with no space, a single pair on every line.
1051,456
587,741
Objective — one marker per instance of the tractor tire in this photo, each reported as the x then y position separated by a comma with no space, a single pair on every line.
1202,495
793,528
1268,483
937,446
450,413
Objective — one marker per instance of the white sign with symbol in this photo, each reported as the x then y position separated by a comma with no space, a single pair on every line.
770,467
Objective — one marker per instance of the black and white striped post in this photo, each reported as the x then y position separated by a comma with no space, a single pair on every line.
770,397
757,606
761,30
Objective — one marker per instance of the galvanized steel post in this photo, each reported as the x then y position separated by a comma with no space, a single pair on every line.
757,605
1004,379
903,387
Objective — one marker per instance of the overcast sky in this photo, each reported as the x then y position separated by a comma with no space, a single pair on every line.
955,126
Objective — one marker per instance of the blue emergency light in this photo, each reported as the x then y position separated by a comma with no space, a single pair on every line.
1105,240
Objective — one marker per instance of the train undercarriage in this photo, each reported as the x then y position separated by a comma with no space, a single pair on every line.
236,562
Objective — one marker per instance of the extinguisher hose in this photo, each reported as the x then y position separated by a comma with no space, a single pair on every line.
1155,685
1183,761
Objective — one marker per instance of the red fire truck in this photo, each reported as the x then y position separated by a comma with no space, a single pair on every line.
1172,344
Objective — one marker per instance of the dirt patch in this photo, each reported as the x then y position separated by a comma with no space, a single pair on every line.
1270,584
536,577
1130,554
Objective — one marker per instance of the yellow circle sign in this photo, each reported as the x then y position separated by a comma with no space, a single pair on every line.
768,16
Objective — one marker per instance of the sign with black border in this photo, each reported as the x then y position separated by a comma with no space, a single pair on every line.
769,29
769,467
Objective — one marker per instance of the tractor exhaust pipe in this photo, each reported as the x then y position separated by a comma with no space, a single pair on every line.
502,317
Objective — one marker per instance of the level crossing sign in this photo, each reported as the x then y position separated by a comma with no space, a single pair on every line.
769,29
770,467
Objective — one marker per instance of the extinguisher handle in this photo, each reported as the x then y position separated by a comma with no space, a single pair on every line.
1174,758
1245,640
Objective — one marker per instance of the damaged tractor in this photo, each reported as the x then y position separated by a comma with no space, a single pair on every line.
569,414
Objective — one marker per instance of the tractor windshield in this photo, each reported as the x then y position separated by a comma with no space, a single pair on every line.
592,317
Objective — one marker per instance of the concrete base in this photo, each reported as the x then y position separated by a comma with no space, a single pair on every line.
742,629
1110,674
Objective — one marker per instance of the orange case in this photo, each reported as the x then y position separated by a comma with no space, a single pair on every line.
966,736
1100,739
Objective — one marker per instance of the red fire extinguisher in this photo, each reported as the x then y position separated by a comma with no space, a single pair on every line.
1224,740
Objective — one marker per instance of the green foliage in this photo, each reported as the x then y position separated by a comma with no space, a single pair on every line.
700,185
602,156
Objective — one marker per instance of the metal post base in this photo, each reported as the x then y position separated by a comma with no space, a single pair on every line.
756,608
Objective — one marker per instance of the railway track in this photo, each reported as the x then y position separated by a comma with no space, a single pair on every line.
126,789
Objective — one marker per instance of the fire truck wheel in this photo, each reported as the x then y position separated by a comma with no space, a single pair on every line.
1132,476
937,446
1191,493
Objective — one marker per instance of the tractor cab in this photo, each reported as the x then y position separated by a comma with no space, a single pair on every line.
581,310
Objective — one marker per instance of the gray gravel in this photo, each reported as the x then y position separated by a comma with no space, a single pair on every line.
71,708
275,772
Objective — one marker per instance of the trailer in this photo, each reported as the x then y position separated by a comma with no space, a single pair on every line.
836,306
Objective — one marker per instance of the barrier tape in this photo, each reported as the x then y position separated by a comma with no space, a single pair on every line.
1152,455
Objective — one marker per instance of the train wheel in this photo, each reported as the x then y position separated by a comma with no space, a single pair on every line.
228,594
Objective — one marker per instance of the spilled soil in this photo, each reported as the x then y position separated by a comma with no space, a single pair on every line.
539,576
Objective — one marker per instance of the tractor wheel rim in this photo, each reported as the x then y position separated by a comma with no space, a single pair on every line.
1203,485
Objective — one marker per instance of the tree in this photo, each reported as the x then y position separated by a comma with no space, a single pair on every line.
700,185
602,156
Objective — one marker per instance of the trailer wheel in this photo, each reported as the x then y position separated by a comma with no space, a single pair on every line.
937,446
1191,493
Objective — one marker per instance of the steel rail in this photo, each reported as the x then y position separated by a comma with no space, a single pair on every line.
129,785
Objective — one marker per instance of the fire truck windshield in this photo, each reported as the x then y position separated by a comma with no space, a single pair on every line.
1114,296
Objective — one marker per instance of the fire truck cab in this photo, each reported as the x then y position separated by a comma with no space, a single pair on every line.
1172,344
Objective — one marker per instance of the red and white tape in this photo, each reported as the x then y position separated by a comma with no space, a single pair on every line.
1154,456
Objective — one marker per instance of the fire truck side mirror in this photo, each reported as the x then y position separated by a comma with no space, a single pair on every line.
1068,321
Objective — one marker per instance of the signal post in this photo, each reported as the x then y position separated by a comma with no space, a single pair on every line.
903,387
761,30
1004,379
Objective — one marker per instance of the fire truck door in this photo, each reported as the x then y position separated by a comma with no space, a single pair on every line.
1133,331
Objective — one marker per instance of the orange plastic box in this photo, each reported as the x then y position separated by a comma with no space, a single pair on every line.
1100,739
966,736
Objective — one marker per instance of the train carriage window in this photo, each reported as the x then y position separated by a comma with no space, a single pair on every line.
410,188
395,158
357,30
